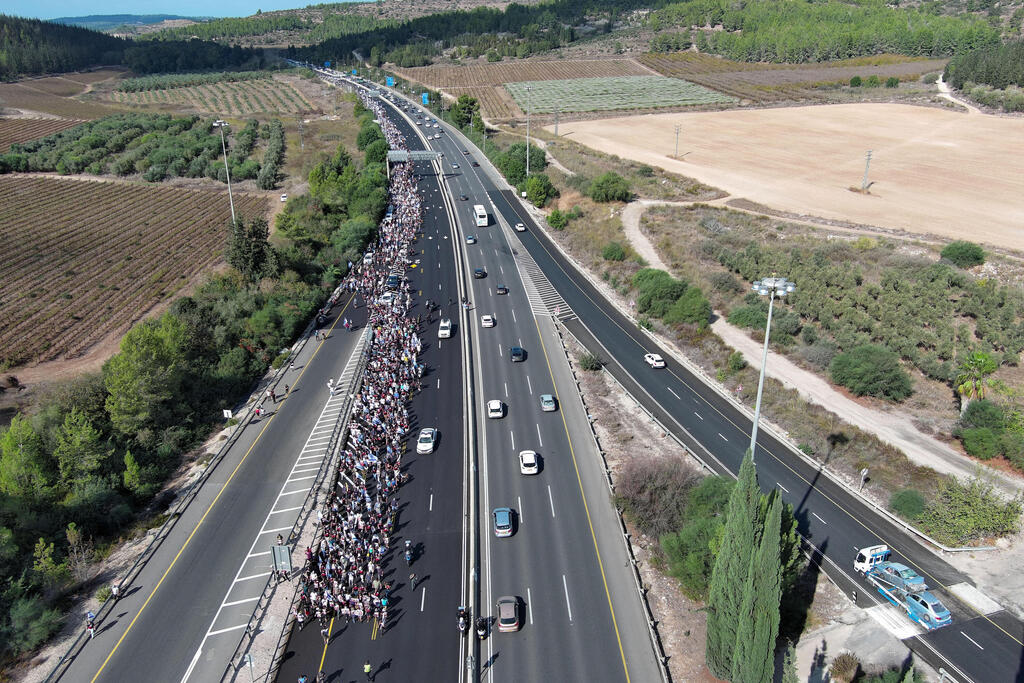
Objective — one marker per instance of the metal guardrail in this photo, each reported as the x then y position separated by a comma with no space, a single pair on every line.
174,515
327,468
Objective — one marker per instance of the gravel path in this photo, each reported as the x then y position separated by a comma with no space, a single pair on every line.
897,430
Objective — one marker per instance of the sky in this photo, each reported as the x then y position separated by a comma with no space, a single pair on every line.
51,9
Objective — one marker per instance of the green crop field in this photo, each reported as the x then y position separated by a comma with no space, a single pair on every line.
615,92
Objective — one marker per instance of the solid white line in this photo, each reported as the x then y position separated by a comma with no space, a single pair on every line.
551,500
512,435
529,605
519,500
820,519
240,602
723,438
251,576
673,393
529,384
423,599
568,605
430,507
266,552
225,630
271,531
782,487
972,640
539,438
292,493
698,415
297,507
300,478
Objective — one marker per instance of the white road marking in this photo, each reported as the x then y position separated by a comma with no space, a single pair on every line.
698,415
512,435
786,490
430,507
438,382
529,605
297,507
506,389
529,384
520,508
539,438
568,605
301,479
240,602
247,578
972,640
673,393
266,552
551,500
423,598
723,438
820,519
272,531
225,630
514,316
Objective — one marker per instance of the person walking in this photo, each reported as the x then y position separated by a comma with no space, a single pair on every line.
367,668
412,580
115,592
325,633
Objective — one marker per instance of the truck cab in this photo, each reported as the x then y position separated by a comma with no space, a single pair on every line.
871,556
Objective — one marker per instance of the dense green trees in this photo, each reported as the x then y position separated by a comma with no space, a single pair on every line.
659,295
792,31
249,251
512,162
610,187
871,370
464,109
999,66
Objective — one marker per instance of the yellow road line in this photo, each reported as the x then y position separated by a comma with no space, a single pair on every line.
330,629
586,508
208,509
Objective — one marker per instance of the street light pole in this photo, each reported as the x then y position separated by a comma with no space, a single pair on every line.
770,287
529,106
227,167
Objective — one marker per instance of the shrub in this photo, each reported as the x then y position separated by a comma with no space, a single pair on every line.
855,82
983,413
907,503
962,513
657,291
539,189
613,251
964,254
736,362
652,491
930,78
725,283
981,442
103,594
558,220
892,82
610,187
1011,445
844,668
873,81
691,308
691,550
645,171
809,334
591,362
31,623
871,370
753,316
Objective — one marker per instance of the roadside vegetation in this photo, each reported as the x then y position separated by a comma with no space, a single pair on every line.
992,76
80,471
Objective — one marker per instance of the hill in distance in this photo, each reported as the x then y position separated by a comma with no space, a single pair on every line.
106,22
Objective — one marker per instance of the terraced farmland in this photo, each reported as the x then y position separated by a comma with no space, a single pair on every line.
239,98
471,75
23,130
84,259
766,83
620,92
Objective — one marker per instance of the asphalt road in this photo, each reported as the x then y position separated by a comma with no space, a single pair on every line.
167,613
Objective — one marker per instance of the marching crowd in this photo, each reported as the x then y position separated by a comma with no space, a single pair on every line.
344,576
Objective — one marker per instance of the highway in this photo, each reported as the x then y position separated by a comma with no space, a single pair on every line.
565,563
983,644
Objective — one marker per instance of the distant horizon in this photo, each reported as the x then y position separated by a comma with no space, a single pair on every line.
56,9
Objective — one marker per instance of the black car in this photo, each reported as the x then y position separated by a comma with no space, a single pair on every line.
501,289
463,197
517,354
479,273
476,164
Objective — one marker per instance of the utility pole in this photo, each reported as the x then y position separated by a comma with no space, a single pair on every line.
529,106
678,126
558,110
867,165
227,166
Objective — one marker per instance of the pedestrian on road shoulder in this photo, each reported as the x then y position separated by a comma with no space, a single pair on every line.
412,581
367,668
115,592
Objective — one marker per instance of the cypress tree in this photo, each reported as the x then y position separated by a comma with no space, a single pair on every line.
753,660
789,674
732,567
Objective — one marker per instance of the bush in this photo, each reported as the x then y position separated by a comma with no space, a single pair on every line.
31,623
964,254
690,551
656,291
981,442
873,81
892,82
725,283
691,308
652,492
613,251
907,503
103,594
844,668
983,413
871,370
558,220
645,171
539,189
736,362
1011,445
591,362
855,82
930,78
610,187
964,513
753,316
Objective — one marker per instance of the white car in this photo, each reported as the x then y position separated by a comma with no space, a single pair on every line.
520,227
654,360
487,321
425,442
495,409
284,197
387,297
445,330
455,165
470,239
528,462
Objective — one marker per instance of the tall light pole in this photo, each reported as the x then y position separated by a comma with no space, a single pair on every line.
771,287
676,155
529,106
227,167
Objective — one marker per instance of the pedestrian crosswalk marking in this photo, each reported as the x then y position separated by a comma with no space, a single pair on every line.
544,298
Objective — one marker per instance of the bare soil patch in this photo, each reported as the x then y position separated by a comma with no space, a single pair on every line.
933,171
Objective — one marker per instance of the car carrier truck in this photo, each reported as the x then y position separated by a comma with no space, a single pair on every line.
902,586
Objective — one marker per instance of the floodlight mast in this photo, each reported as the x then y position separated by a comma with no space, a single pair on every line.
771,287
